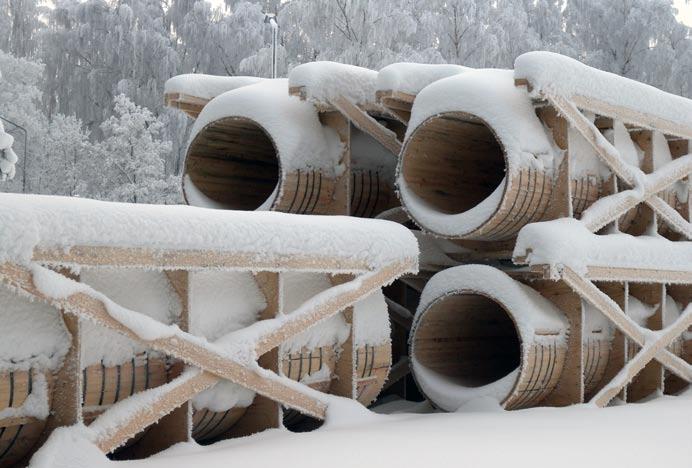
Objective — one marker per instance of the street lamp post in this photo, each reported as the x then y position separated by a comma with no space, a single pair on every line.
270,18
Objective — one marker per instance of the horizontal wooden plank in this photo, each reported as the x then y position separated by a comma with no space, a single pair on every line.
191,259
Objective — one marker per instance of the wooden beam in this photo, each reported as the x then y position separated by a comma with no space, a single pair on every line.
401,369
264,413
345,368
589,292
328,305
181,346
172,259
650,379
643,357
146,409
341,202
632,116
607,153
597,273
369,125
175,426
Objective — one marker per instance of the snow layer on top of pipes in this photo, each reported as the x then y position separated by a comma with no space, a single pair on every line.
293,125
551,73
206,86
326,81
531,311
490,95
411,78
567,242
31,221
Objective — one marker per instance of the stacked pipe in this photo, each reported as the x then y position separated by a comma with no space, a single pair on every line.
479,160
256,147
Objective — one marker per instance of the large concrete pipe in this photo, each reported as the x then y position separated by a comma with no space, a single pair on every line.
476,162
257,148
479,333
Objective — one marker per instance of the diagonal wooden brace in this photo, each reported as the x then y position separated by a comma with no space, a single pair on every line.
188,348
597,298
364,122
642,358
610,156
324,305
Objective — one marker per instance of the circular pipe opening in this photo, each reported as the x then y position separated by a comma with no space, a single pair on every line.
453,162
234,162
469,338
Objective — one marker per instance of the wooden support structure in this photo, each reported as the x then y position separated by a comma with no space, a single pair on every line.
369,125
264,413
191,105
171,401
176,426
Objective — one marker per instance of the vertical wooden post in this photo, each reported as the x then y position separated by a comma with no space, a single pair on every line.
342,191
618,349
66,401
681,293
176,426
561,199
645,214
345,371
570,388
66,407
650,378
264,413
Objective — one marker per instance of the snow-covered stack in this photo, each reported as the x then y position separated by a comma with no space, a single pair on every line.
8,158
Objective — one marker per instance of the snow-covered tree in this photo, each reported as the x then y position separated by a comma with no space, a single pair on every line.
8,158
133,157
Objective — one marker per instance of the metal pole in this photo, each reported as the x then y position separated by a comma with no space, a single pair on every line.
270,18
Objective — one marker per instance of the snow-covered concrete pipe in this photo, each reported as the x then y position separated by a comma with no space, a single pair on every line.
257,148
477,162
479,333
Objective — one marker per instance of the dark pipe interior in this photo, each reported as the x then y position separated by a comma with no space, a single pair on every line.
234,162
453,162
469,338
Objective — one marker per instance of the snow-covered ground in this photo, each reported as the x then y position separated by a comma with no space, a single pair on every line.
650,434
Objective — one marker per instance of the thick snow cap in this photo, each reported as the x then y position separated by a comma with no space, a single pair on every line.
411,78
326,81
244,141
567,242
206,86
31,221
551,73
487,103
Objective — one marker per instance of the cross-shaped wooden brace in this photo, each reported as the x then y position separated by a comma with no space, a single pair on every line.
235,360
653,344
598,215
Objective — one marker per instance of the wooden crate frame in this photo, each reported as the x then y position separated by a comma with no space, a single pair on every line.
644,189
207,365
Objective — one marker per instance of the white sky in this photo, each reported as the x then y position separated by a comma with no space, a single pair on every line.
684,11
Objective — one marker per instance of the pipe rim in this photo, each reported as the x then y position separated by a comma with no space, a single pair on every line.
405,192
270,201
460,292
